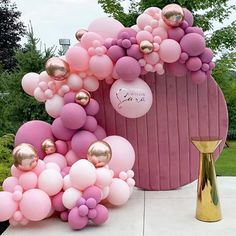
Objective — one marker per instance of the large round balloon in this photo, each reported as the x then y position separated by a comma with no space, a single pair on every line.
34,132
131,99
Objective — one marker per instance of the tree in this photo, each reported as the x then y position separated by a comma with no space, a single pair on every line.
11,30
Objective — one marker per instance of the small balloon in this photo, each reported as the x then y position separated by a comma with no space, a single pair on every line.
48,146
146,47
57,68
99,153
173,14
25,157
79,34
82,97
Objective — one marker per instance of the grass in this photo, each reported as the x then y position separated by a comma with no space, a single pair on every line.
226,164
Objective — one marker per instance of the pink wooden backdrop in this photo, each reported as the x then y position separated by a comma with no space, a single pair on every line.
165,157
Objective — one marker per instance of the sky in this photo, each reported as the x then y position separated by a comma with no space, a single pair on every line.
55,19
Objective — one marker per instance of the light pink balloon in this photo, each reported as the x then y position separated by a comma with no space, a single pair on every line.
75,82
143,20
57,158
66,182
15,172
41,166
7,206
91,84
88,39
104,177
119,192
123,155
101,66
169,51
78,58
30,82
54,105
131,99
35,205
152,58
43,76
9,184
161,32
28,180
105,192
82,174
39,95
106,27
70,197
144,35
71,157
50,181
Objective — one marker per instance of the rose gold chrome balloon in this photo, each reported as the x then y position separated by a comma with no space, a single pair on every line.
49,146
173,15
146,47
25,157
99,153
79,34
57,68
82,97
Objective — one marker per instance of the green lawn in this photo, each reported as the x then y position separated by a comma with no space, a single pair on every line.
226,164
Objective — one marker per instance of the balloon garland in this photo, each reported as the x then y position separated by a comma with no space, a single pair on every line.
70,167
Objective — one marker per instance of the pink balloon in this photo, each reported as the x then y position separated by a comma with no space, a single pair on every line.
131,99
123,155
82,174
57,203
50,181
91,83
81,142
144,35
100,133
69,97
169,51
101,66
101,216
71,157
92,108
134,52
188,16
57,158
35,205
7,205
70,197
88,39
194,64
74,82
161,32
78,58
28,180
30,83
198,77
9,184
106,27
90,124
25,134
15,172
76,221
104,177
143,20
54,105
119,192
60,131
39,95
41,166
176,33
152,58
61,147
93,192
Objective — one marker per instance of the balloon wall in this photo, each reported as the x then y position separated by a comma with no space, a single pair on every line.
70,168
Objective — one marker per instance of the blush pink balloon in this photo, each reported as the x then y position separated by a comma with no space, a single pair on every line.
74,82
91,84
123,155
70,197
39,95
169,51
15,172
100,133
25,134
143,20
54,105
41,166
28,180
101,66
35,205
161,32
30,82
104,177
152,58
144,35
78,58
106,27
57,158
9,184
7,205
88,39
71,157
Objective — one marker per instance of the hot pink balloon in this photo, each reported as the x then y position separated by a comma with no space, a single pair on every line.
88,39
169,50
30,83
35,205
106,27
34,132
123,155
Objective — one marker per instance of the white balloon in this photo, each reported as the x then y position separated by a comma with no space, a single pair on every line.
70,197
53,106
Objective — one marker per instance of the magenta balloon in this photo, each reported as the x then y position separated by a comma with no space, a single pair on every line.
127,68
93,192
102,215
177,69
90,124
194,64
193,44
129,31
60,131
176,33
188,16
81,142
61,147
75,220
115,53
194,30
69,97
34,132
92,108
198,77
134,52
100,133
73,116
207,55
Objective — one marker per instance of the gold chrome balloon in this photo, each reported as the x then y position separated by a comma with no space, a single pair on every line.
49,146
82,97
57,68
173,15
25,157
146,47
99,153
79,34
